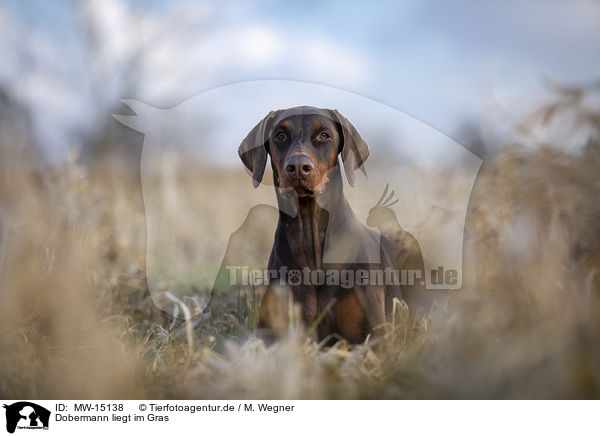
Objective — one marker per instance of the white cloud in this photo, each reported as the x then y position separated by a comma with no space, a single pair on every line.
161,57
259,45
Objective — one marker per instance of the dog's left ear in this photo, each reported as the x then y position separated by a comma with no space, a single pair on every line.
355,151
253,150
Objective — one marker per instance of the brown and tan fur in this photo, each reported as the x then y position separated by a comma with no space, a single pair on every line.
304,144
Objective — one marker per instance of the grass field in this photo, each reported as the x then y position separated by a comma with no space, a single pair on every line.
77,320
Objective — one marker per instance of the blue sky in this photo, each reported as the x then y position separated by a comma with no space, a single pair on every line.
441,62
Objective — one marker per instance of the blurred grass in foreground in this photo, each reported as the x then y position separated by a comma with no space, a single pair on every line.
77,321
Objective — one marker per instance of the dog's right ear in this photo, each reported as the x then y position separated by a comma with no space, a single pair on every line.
253,150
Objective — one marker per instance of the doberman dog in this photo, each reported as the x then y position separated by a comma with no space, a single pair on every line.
324,234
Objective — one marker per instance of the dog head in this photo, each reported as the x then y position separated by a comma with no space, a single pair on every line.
303,143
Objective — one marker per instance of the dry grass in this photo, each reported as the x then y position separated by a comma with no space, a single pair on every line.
76,318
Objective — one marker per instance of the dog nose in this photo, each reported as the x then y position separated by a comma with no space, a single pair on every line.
299,166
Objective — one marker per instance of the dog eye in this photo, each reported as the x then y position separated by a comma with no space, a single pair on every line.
323,136
280,136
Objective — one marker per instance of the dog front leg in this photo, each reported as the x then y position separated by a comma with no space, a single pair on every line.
373,302
274,312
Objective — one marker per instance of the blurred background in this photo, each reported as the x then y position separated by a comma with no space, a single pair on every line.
515,83
67,64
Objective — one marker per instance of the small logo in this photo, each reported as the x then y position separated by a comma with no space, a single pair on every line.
26,415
